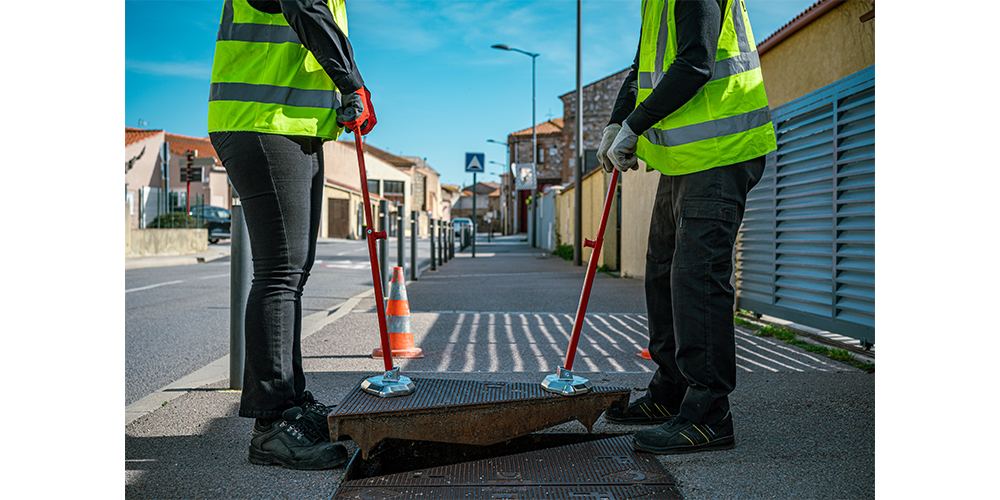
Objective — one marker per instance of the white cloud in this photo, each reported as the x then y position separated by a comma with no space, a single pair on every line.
198,70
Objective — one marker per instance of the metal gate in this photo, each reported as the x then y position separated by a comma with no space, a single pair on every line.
806,250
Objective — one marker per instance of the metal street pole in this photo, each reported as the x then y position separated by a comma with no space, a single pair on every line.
578,177
401,237
414,216
534,157
240,279
534,141
383,206
474,215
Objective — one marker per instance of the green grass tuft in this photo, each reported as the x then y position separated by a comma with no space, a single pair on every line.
564,251
789,337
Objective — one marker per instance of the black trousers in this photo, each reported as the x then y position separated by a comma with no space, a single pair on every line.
280,183
689,298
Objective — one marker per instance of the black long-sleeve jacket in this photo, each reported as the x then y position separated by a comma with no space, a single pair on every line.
313,23
698,24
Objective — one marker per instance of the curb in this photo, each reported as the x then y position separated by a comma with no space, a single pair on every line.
147,261
218,370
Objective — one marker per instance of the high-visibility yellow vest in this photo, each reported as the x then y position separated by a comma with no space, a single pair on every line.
728,120
265,80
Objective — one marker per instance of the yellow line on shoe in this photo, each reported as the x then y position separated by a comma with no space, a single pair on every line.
685,437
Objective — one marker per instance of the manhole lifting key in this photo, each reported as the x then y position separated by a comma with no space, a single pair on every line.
391,383
563,381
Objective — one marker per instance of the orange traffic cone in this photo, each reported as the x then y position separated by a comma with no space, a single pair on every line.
644,354
397,320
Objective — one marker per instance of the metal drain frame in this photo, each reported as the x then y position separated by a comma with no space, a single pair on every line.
604,469
465,412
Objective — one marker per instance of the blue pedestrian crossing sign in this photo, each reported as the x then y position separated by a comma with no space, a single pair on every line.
475,162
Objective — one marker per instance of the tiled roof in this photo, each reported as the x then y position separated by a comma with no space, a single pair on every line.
134,135
484,188
179,144
552,126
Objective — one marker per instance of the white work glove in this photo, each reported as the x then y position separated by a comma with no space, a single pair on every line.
610,132
622,153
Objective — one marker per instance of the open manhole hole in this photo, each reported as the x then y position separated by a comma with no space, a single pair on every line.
539,466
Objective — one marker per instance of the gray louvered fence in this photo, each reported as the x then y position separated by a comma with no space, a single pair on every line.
806,251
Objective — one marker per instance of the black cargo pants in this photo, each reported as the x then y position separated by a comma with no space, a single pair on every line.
689,298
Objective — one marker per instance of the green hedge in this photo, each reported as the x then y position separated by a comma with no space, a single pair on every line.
174,220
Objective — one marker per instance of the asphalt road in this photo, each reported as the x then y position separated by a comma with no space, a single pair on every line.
177,317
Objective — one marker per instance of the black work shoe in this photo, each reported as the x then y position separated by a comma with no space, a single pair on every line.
316,414
680,435
641,411
293,444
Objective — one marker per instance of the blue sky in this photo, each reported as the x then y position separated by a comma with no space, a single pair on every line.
438,88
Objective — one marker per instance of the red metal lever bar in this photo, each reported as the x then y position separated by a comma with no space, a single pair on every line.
581,311
371,237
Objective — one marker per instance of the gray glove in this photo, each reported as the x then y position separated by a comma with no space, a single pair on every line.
622,153
610,132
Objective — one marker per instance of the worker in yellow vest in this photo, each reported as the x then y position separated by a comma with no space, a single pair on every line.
693,108
283,82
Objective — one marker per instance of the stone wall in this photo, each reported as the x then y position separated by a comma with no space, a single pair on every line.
598,102
549,168
149,242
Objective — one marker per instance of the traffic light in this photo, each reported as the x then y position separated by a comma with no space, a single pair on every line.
189,173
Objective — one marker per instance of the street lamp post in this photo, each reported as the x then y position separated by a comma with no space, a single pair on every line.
534,135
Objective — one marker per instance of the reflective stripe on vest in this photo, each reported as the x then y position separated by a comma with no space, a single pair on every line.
248,93
728,121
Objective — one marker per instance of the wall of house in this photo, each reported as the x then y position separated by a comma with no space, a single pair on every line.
594,193
341,165
831,47
355,201
219,192
638,193
145,172
549,166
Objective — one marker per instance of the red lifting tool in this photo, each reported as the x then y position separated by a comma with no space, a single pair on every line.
563,381
391,383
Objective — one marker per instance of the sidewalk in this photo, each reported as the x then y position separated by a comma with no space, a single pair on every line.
213,252
805,427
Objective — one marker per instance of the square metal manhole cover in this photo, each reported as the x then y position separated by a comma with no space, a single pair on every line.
465,412
605,469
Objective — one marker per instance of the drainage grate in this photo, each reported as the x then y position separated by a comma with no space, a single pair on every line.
606,469
465,412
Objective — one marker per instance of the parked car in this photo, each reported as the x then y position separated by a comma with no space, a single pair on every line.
217,220
461,225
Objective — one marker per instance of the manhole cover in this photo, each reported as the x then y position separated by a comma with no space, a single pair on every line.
605,469
465,412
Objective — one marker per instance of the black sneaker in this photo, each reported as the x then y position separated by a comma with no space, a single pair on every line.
680,435
641,411
316,414
293,444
